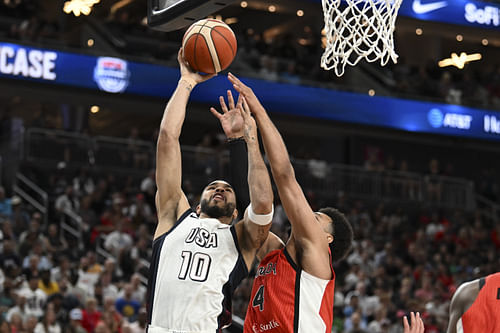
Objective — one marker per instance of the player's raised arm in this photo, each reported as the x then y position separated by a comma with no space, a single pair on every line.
170,200
254,229
307,230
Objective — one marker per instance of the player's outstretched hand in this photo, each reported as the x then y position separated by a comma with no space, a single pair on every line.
417,325
187,72
247,92
231,118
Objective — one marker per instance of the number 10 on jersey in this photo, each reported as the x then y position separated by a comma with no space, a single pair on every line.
197,265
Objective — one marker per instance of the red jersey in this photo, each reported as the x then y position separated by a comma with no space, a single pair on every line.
483,315
287,299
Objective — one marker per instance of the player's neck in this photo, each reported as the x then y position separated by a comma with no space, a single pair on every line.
223,219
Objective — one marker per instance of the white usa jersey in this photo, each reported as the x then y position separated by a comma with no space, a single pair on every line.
195,268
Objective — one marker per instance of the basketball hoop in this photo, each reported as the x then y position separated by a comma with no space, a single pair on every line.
357,29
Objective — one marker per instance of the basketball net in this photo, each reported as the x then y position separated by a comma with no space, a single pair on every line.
357,29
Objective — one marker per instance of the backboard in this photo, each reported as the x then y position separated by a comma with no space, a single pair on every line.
169,15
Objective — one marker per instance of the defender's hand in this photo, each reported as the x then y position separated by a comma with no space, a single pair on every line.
231,119
188,73
247,92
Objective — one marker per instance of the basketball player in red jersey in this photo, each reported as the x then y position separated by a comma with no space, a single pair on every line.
294,286
475,307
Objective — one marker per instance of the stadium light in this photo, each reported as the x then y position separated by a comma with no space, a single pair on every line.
78,7
460,61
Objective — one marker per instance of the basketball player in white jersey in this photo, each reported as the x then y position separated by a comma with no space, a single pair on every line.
198,257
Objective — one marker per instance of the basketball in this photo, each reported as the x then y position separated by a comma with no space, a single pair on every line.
209,46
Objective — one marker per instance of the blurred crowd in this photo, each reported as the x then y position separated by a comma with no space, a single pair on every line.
83,269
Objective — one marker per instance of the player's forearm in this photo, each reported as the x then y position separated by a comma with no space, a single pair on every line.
175,112
274,146
261,193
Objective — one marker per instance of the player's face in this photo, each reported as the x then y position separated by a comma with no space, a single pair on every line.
218,199
325,221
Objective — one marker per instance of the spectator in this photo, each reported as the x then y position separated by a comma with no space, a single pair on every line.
126,305
4,326
47,285
55,242
67,201
16,323
91,316
118,241
5,205
355,324
35,297
101,327
30,324
48,323
9,258
19,309
94,267
75,323
37,256
20,218
139,325
138,290
86,279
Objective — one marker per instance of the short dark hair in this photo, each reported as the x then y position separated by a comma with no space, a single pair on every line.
341,231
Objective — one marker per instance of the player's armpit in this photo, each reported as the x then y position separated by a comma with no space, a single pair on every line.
170,212
252,235
273,242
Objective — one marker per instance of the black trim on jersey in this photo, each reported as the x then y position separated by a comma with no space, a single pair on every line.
239,272
482,282
155,259
297,301
290,260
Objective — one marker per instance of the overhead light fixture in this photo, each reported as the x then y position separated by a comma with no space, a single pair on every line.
94,109
272,8
300,12
231,20
485,42
460,38
90,42
460,61
419,31
244,4
371,92
78,7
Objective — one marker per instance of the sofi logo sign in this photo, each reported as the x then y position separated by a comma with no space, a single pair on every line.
439,119
488,15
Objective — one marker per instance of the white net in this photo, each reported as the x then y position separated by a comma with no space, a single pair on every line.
357,29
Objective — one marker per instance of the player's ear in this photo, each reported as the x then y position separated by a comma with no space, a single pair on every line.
329,237
198,210
235,214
